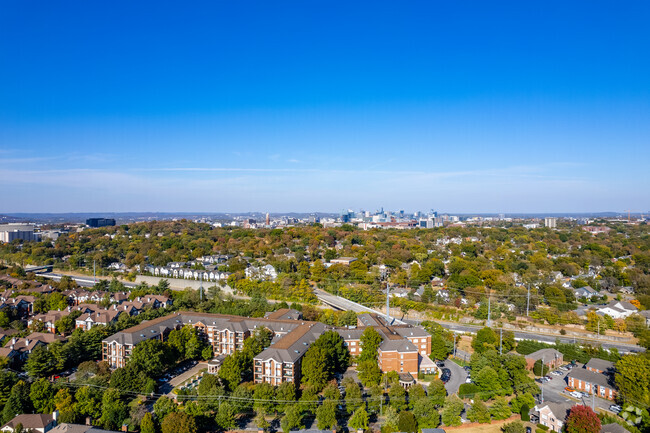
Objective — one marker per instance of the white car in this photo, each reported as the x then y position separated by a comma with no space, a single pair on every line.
468,380
575,394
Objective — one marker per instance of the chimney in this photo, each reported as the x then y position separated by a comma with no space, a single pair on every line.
55,415
89,420
125,427
358,431
26,341
13,340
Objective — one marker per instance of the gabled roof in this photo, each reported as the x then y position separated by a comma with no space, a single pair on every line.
548,354
600,364
590,376
30,421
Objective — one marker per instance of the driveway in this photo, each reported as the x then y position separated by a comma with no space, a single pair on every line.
458,377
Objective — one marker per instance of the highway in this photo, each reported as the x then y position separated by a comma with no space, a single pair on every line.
343,304
82,281
543,338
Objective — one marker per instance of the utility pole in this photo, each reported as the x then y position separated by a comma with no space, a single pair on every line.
501,341
528,301
388,303
94,281
489,320
201,298
454,352
541,387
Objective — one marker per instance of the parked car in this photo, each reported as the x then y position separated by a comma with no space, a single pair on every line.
576,394
569,389
615,408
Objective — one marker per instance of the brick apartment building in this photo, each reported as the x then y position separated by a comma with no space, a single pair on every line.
592,382
402,350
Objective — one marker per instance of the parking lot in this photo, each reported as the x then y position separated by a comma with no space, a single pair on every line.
554,391
180,374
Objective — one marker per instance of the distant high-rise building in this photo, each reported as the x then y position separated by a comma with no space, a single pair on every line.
100,222
550,222
12,232
268,219
502,216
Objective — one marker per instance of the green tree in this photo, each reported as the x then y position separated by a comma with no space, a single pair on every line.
232,369
326,415
513,427
376,399
426,414
42,395
264,396
582,419
7,381
147,425
397,397
437,392
41,362
292,419
89,402
485,339
178,422
392,420
114,411
314,367
488,382
406,422
286,391
369,373
500,409
18,402
478,412
370,341
64,403
359,419
451,411
164,406
353,397
439,348
633,379
538,370
226,416
242,398
150,357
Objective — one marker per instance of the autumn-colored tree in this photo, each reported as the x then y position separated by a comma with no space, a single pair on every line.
582,419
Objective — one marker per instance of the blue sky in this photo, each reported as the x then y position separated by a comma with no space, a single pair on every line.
319,106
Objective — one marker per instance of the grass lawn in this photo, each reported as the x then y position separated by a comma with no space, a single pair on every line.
495,427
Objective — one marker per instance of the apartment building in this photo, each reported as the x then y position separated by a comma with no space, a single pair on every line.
402,350
594,383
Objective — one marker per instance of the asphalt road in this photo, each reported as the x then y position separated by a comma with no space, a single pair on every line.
458,377
82,281
544,338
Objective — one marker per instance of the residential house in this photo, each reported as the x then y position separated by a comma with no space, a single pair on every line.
585,292
48,319
41,423
618,309
100,317
343,261
613,428
552,415
24,346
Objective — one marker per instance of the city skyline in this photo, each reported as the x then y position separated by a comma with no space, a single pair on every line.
232,108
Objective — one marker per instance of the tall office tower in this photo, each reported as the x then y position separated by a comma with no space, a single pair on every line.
550,222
